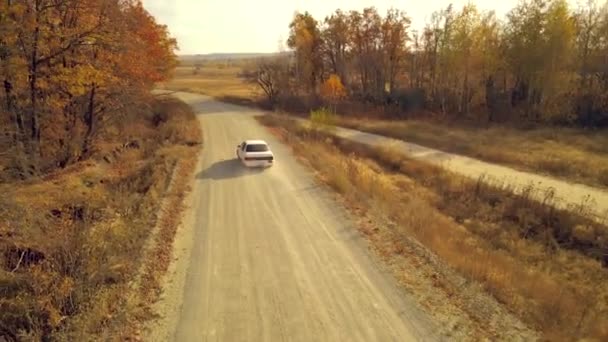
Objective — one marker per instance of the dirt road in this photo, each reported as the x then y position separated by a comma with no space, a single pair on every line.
266,255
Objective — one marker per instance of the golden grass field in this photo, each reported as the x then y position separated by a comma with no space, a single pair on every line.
506,243
217,80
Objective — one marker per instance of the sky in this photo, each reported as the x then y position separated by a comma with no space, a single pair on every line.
231,26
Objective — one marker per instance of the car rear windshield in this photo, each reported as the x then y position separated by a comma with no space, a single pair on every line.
257,148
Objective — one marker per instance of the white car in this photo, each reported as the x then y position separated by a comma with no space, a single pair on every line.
255,153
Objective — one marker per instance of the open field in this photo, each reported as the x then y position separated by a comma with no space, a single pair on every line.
73,242
235,58
533,259
572,154
220,80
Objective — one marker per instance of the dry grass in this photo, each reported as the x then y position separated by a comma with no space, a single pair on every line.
70,243
573,154
221,82
504,242
159,257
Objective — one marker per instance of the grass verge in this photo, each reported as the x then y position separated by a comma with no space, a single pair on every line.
72,242
530,257
573,154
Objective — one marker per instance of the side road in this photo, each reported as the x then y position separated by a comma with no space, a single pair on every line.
565,194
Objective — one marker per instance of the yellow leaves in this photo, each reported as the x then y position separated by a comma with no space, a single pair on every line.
108,44
560,30
16,10
303,36
333,89
303,30
78,80
148,56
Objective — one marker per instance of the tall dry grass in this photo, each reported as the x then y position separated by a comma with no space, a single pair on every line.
483,232
71,242
575,154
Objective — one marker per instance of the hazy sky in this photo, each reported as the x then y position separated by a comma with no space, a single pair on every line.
205,26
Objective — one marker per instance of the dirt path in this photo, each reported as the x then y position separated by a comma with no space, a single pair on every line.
567,195
269,256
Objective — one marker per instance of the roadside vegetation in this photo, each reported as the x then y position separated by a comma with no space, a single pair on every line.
570,153
72,240
88,156
527,90
545,265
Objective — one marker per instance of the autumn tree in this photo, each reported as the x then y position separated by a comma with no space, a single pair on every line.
305,40
430,41
591,102
541,39
272,76
439,56
365,36
544,63
489,46
395,36
415,61
524,34
336,43
560,40
588,38
69,66
466,23
333,90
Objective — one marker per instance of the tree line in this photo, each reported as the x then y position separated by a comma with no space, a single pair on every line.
545,62
70,69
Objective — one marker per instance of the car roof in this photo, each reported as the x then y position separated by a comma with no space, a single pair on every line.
255,142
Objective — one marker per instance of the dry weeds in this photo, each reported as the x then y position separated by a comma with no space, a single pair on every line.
574,154
71,242
506,243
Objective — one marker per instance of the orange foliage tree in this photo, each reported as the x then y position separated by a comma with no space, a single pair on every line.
69,67
332,90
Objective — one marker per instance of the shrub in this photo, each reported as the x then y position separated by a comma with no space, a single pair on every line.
323,117
71,242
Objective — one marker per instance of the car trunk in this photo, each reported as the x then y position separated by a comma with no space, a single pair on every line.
253,156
